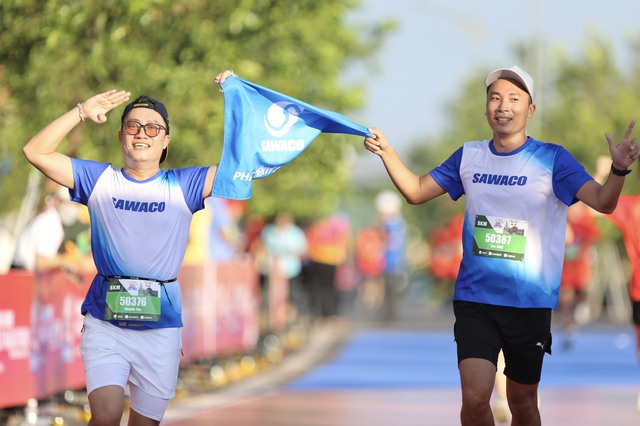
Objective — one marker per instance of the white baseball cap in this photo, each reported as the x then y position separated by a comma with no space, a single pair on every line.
388,203
514,73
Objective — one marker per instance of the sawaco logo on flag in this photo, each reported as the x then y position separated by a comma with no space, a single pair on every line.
280,117
263,131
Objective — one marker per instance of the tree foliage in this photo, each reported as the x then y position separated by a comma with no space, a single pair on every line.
58,52
592,96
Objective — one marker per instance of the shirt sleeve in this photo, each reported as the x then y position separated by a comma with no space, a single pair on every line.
85,176
192,180
447,175
568,177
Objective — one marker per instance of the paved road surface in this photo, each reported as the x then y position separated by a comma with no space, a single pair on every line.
404,374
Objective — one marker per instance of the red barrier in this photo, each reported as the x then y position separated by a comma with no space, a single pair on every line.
238,307
56,326
220,309
40,328
278,293
40,325
197,315
15,338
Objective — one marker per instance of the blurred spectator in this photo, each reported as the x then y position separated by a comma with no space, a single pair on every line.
627,217
369,258
389,206
446,254
78,234
577,272
286,243
252,244
328,248
197,252
347,280
39,244
224,235
76,247
253,226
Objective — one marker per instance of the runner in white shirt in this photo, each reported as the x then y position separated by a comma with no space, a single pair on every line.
38,246
517,191
140,217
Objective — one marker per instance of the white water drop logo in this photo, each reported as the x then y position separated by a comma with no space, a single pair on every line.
280,117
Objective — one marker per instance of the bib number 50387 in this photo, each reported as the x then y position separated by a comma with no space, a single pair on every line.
497,238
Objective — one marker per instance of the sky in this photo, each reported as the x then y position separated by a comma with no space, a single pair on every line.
439,44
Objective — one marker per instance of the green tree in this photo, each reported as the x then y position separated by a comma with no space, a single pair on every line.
592,96
56,53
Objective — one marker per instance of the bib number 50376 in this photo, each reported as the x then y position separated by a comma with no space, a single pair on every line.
133,301
129,299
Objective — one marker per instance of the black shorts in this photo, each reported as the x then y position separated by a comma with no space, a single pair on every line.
636,312
523,335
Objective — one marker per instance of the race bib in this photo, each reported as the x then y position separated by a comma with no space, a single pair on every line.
129,299
500,237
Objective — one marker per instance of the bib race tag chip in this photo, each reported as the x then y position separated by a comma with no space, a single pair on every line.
133,300
500,237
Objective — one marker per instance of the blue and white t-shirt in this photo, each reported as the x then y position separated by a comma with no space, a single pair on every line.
138,229
394,253
515,220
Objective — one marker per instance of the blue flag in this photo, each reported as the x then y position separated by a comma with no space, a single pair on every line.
263,131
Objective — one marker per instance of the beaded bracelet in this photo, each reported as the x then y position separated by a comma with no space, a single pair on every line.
80,112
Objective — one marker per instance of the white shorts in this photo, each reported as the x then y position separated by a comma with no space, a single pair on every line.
146,359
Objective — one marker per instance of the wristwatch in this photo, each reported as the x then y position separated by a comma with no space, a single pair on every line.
619,172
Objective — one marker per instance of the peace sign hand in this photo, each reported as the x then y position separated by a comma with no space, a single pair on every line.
626,152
